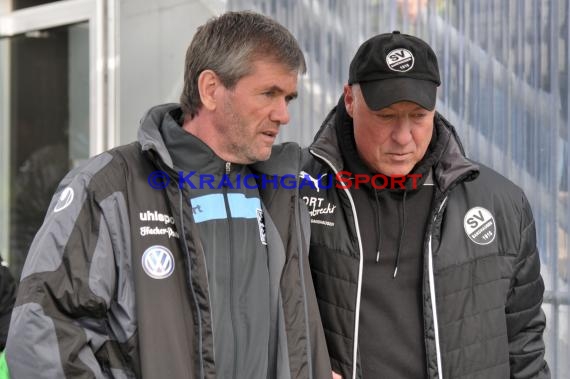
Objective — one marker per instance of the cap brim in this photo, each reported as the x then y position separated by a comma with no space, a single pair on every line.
383,93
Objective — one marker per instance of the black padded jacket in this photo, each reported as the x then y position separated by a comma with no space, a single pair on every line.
482,289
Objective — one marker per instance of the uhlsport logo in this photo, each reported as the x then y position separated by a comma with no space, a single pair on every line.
400,60
158,262
480,226
64,200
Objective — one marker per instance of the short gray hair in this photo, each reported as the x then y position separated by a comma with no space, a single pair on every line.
229,44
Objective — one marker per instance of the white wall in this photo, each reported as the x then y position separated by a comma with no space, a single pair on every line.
153,38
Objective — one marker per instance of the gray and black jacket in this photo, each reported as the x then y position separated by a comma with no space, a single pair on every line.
482,289
86,307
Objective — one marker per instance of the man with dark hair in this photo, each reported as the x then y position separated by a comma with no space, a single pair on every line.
156,260
439,278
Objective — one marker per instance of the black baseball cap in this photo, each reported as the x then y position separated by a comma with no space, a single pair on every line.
395,67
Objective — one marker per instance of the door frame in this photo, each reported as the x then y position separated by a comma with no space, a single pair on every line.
102,18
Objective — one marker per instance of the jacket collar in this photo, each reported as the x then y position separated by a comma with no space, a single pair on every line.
452,167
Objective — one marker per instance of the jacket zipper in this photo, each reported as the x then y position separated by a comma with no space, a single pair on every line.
359,286
187,253
188,258
432,296
231,252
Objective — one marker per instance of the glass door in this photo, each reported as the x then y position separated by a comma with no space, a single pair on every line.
52,111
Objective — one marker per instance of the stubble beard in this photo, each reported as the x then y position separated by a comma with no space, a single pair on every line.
240,144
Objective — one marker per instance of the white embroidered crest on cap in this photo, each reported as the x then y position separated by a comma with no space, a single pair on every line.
400,60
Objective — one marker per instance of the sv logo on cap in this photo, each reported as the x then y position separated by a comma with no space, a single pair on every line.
400,60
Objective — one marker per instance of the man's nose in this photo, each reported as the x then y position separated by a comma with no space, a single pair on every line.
280,112
402,133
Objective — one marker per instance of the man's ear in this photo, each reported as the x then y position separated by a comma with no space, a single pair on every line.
208,84
348,99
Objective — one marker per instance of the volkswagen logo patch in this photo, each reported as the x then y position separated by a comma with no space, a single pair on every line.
158,262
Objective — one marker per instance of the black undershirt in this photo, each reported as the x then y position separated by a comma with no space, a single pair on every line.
391,331
391,337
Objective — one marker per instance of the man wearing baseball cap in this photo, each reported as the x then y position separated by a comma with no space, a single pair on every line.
439,278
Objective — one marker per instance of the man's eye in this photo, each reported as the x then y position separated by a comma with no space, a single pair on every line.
269,93
386,116
418,115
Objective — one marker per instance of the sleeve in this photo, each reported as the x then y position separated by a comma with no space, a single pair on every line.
525,317
59,320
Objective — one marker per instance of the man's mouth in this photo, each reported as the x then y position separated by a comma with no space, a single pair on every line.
270,133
